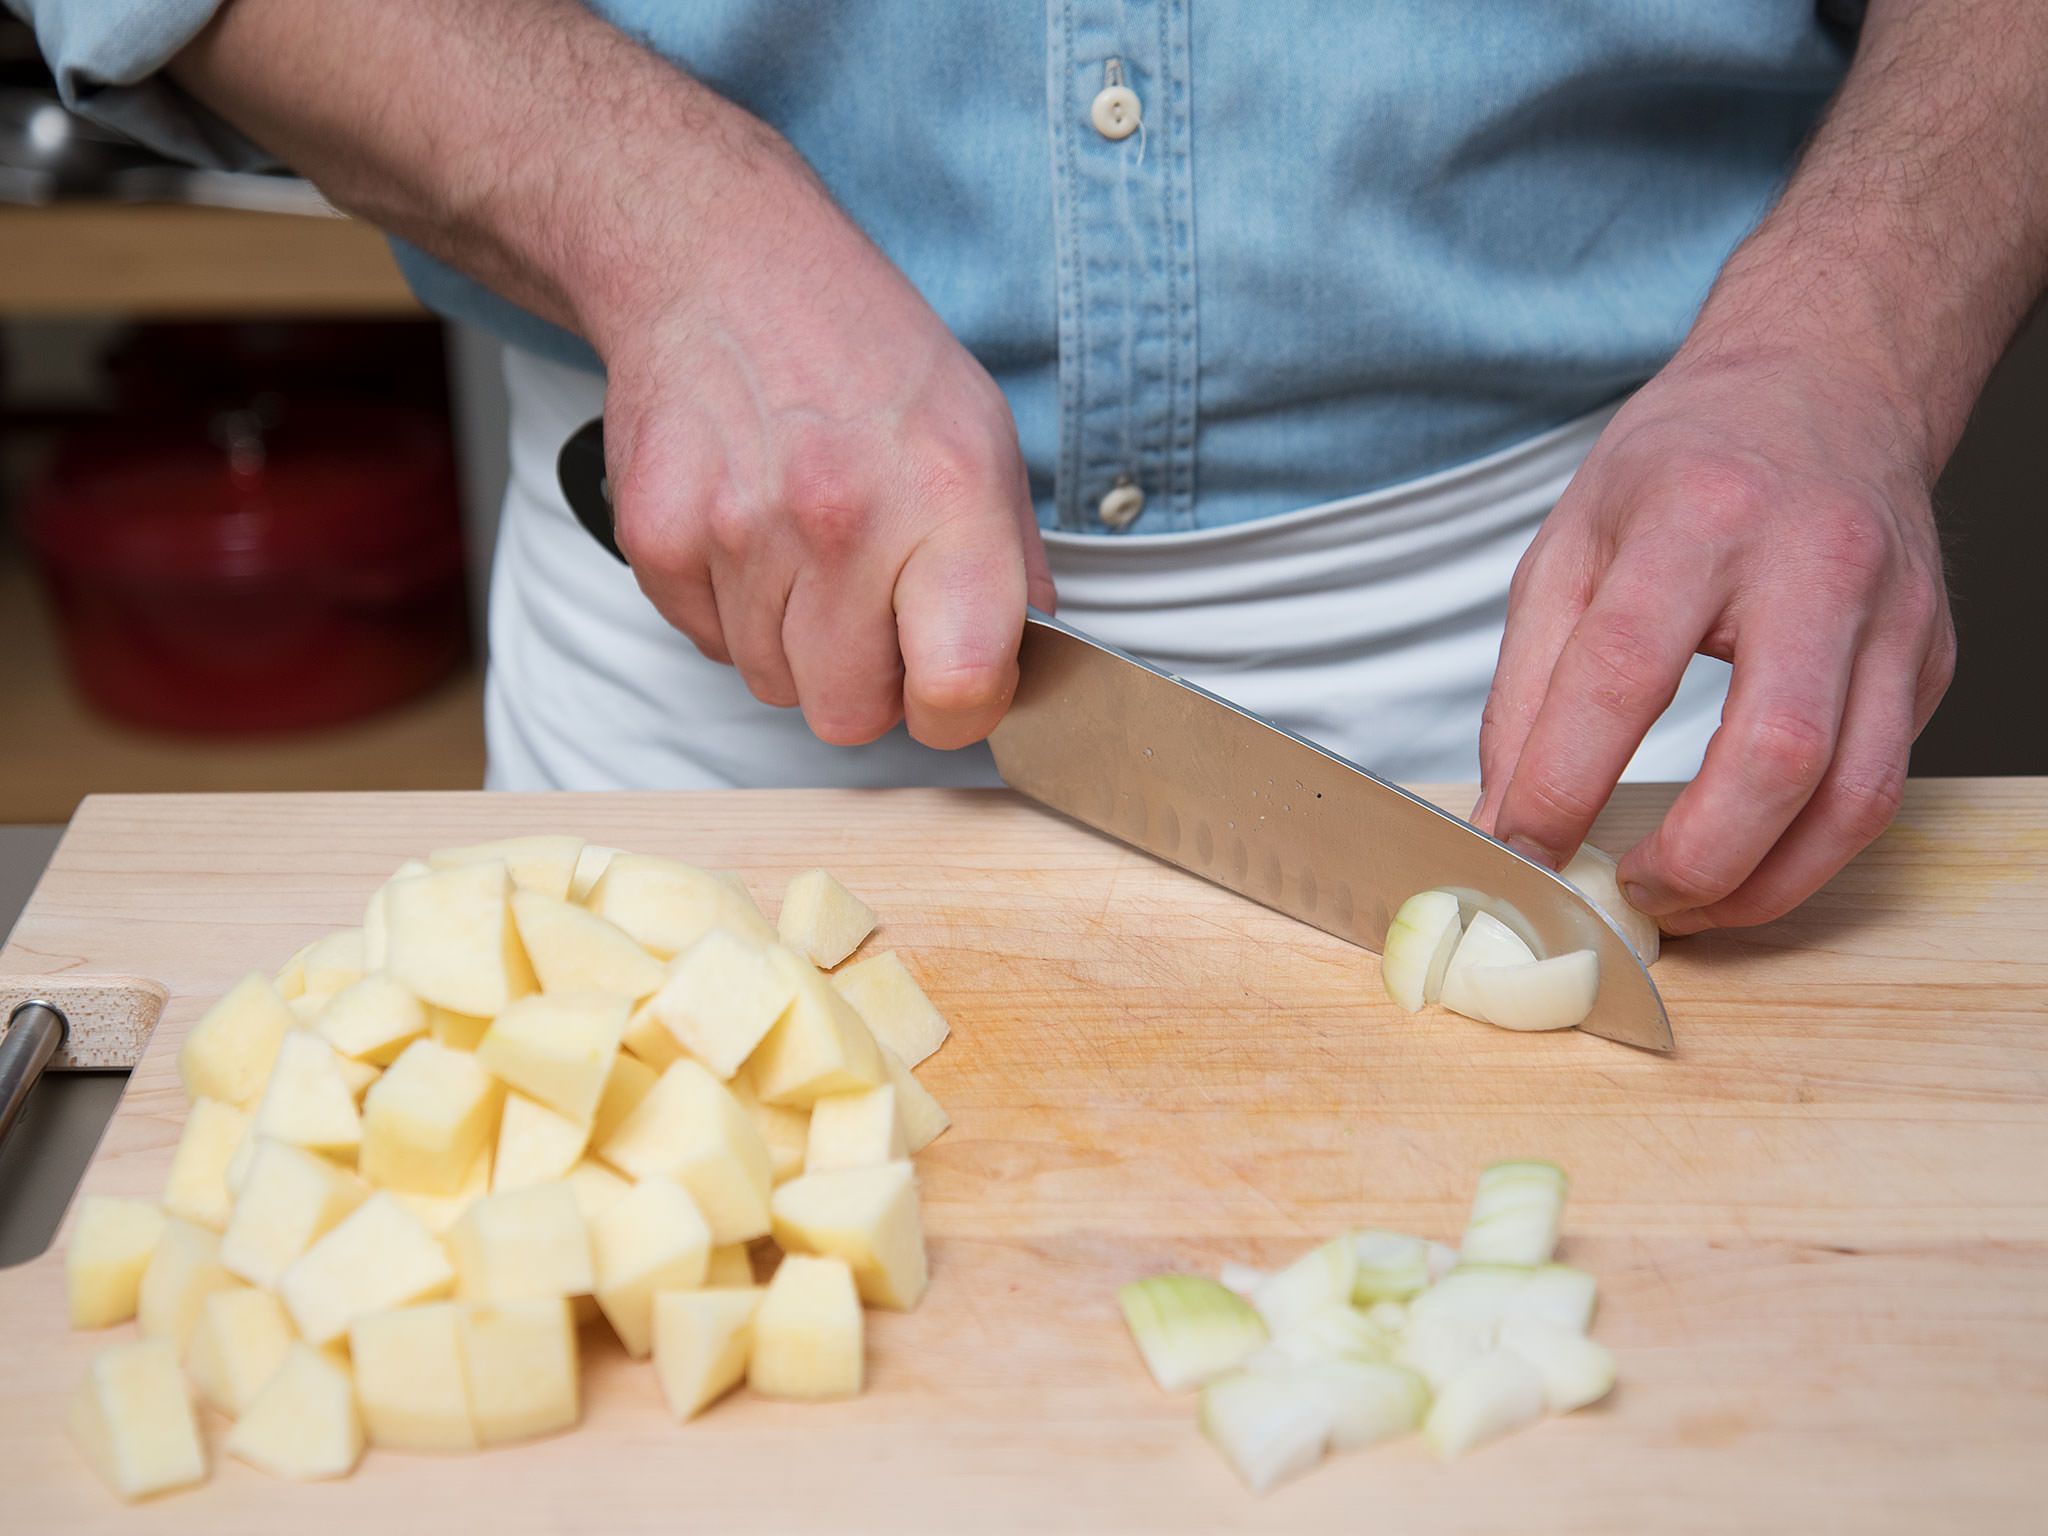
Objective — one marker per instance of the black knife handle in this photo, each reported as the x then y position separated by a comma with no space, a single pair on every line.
580,468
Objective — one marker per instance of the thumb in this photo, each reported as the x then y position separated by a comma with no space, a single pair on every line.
959,618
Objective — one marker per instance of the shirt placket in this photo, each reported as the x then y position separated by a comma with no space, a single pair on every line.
1124,224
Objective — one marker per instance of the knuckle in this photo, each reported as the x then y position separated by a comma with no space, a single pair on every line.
1791,745
852,726
1695,872
1868,799
1853,542
730,524
1555,803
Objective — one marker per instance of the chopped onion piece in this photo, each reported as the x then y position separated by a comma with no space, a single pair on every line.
1189,1328
1242,1278
1515,1214
1340,1332
1495,1395
1592,872
1266,1426
1392,1266
1443,1258
1418,948
1387,1316
1367,1401
1487,942
1575,1370
1438,1348
1479,1294
1320,1278
1556,993
1557,1296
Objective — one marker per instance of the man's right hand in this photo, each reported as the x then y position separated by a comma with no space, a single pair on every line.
815,482
813,479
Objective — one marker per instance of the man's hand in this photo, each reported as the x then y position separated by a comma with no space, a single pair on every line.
1765,498
1764,511
814,480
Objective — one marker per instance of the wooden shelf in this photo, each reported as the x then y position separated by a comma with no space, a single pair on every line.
162,261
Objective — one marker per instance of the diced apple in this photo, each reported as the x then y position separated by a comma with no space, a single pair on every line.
308,1006
456,1031
228,1054
590,866
437,1213
701,1342
893,1006
426,1119
290,980
545,863
574,950
535,1145
855,1130
378,1258
924,1118
807,1332
723,994
596,1188
132,1416
819,1045
786,1132
290,1200
691,1128
336,961
667,906
184,1269
649,1039
304,1423
308,1102
453,942
866,1216
822,919
519,1358
728,1266
557,1049
356,1077
376,923
523,1243
197,1187
373,1021
629,1083
410,1380
109,1248
652,1240
241,1338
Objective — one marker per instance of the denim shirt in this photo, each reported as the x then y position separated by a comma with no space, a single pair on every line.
1345,244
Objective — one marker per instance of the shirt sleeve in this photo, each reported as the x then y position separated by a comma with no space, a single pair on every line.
108,57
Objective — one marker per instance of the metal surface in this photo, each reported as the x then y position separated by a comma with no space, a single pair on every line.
1201,783
33,1035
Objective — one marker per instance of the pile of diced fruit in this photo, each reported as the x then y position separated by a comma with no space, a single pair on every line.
1378,1333
545,1082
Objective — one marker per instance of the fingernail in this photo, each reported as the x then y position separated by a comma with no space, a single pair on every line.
1529,849
1477,818
1647,900
1680,925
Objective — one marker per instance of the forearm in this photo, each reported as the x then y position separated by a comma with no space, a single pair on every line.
1913,237
525,141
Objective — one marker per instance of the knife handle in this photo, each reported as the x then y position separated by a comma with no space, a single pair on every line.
580,469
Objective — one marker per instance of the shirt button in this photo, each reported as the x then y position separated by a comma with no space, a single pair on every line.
1119,508
1115,112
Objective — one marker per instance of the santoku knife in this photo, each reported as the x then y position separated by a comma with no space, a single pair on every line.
1175,770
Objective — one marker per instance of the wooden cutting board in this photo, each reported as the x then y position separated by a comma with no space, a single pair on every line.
1821,1229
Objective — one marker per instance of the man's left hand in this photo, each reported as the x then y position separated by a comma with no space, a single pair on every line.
1770,510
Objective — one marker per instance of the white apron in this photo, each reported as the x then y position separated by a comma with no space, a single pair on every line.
1369,625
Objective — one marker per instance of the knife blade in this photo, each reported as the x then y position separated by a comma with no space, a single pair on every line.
1186,775
1194,779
